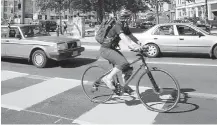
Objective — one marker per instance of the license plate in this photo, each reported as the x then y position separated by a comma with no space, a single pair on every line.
75,53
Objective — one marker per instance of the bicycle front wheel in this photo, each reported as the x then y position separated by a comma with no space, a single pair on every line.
93,87
162,96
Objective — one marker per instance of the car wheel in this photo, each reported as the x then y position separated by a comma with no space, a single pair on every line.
39,59
153,50
215,52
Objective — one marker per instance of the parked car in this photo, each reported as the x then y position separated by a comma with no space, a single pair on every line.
36,45
213,23
49,25
146,25
178,38
204,27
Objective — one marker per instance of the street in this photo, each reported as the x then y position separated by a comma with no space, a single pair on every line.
54,95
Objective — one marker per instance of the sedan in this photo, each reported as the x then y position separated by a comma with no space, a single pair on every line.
35,44
178,38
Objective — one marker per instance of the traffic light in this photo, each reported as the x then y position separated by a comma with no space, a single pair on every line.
19,6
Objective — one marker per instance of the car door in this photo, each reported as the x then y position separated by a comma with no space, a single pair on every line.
4,40
15,43
165,37
190,41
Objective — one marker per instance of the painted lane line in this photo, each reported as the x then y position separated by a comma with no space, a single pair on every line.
6,75
171,63
29,96
202,95
185,64
119,113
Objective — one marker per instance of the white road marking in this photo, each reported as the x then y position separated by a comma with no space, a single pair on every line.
57,121
6,75
185,64
202,95
34,94
119,113
173,63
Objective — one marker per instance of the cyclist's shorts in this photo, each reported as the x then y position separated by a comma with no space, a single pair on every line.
115,57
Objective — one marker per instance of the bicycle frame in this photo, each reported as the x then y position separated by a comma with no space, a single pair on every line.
141,57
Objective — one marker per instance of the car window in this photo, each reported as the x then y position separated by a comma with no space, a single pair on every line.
186,31
14,32
164,30
33,31
4,32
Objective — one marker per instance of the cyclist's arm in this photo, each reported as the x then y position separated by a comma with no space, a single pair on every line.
133,38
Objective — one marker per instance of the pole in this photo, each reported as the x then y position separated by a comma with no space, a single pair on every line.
157,13
206,14
22,11
60,15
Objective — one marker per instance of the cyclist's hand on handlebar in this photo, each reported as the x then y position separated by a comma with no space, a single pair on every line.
135,47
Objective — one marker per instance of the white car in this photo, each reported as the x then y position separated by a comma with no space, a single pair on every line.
35,44
178,38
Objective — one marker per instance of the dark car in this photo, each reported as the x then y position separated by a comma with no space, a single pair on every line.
49,25
204,27
146,25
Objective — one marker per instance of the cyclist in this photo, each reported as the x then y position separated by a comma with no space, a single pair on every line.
120,31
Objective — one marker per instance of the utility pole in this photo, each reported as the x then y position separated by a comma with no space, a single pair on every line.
206,14
157,12
22,11
60,15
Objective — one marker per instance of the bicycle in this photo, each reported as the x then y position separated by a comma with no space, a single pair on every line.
149,77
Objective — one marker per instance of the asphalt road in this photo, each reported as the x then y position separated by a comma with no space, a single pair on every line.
53,95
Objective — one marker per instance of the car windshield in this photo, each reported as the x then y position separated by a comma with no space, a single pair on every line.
200,29
203,31
33,31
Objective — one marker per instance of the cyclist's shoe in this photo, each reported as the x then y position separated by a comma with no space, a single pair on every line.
128,90
108,82
119,90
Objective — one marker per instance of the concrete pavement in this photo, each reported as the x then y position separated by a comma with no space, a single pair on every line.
30,99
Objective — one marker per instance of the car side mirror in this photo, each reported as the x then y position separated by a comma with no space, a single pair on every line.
200,34
19,36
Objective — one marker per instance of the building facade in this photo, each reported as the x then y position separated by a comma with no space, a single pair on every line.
196,8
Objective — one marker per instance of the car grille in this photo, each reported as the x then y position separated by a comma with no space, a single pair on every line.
72,45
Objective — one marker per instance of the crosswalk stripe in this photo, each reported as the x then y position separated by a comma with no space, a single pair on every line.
6,75
119,113
29,96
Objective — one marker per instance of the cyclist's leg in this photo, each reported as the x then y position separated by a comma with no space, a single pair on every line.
115,58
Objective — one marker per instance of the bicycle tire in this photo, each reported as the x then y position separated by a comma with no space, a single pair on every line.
150,105
91,87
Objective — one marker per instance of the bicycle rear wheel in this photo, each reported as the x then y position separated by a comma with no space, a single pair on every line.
163,100
93,87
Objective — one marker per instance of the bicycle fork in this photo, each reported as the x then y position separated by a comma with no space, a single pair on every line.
150,76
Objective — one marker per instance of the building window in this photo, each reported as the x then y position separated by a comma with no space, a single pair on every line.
39,17
66,16
45,17
16,9
5,3
5,16
15,3
5,9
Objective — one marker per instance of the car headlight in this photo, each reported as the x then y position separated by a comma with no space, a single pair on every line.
62,46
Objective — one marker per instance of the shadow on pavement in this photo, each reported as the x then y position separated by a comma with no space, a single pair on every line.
76,62
18,61
182,55
72,63
150,97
